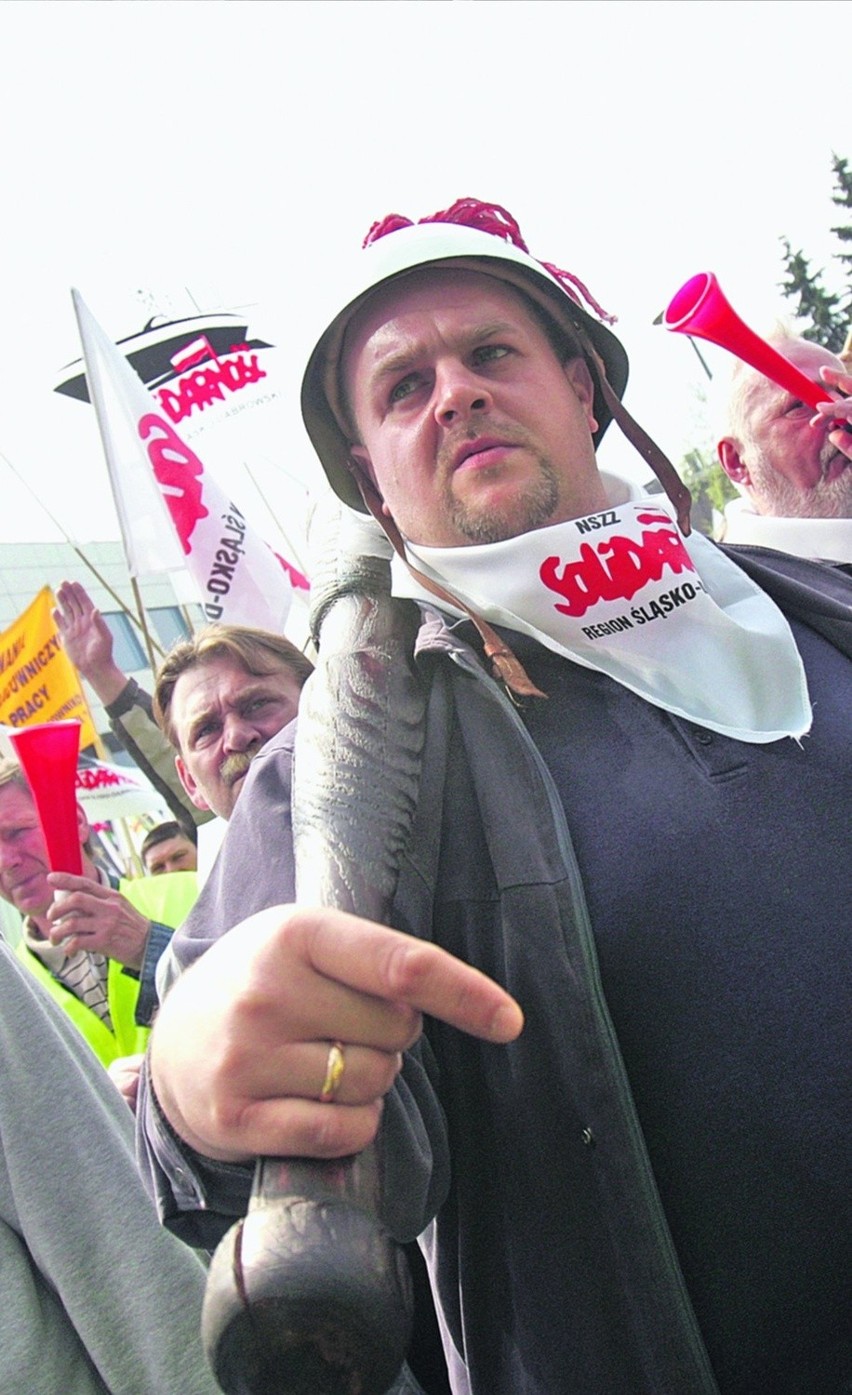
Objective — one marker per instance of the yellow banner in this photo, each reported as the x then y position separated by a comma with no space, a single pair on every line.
38,682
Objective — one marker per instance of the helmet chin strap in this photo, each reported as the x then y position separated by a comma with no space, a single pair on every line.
505,666
673,485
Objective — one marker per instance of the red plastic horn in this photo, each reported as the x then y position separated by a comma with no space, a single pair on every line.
47,753
700,308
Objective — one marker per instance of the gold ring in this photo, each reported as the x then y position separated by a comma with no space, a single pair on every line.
334,1068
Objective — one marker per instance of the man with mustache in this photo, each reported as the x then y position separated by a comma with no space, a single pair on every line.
607,1039
226,654
793,471
218,698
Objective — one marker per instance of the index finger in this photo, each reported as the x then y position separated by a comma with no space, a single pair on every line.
402,969
835,377
67,881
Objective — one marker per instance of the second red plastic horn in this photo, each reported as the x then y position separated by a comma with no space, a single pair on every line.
701,309
48,754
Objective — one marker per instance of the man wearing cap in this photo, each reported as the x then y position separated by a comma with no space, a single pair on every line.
609,1054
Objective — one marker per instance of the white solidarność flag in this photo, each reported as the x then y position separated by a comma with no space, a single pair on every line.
173,515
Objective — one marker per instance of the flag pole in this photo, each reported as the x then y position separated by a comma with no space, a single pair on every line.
143,625
276,521
187,619
122,605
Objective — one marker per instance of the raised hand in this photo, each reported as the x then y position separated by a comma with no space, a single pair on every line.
839,410
87,640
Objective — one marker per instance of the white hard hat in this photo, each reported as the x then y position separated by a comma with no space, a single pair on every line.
454,246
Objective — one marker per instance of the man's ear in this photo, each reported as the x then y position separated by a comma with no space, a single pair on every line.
732,462
83,829
190,786
576,370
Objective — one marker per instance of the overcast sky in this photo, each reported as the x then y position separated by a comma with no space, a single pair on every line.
230,151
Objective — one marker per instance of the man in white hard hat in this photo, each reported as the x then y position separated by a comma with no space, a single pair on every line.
610,1056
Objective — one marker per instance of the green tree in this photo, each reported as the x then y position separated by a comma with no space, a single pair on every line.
842,197
829,311
700,470
709,486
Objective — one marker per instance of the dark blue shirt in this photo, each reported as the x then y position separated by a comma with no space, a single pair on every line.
734,1024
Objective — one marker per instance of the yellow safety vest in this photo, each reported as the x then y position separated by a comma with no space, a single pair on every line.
169,904
168,899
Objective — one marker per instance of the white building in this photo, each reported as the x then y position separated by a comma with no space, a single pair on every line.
101,567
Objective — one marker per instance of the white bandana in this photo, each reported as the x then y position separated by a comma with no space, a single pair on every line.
621,591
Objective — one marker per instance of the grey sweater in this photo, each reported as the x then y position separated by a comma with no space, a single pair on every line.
96,1296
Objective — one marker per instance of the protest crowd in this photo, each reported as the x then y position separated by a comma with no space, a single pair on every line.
570,961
